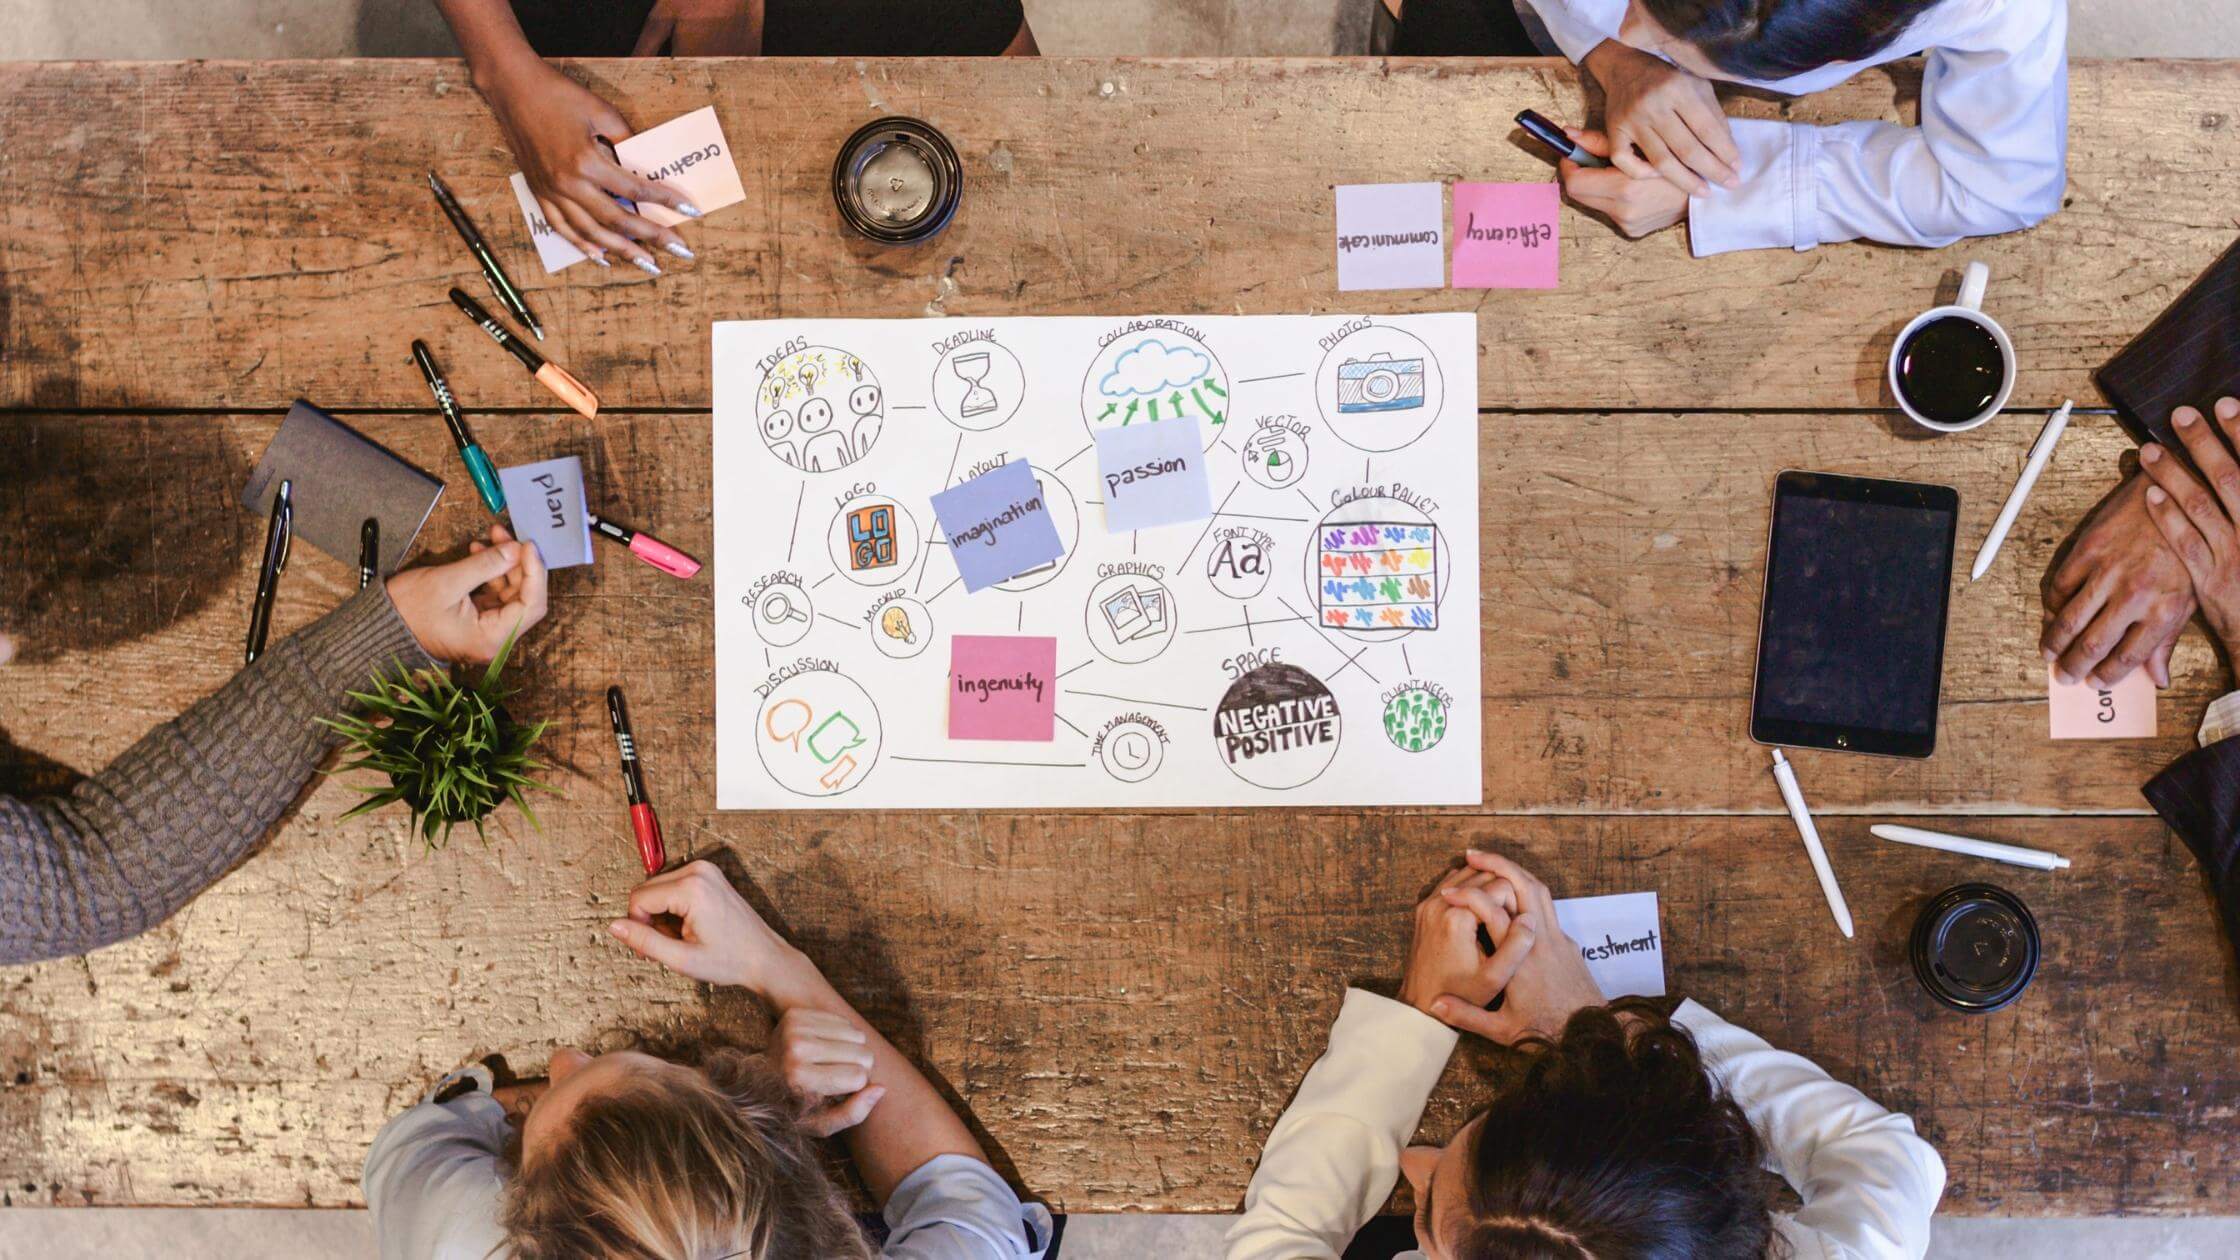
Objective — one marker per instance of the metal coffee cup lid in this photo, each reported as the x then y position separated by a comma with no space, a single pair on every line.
1975,947
897,180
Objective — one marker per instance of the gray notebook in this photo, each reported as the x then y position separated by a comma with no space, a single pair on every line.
340,477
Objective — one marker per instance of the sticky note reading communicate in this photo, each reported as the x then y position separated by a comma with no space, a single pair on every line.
1391,236
545,503
688,154
1618,937
1153,474
2081,711
1505,236
1003,686
998,525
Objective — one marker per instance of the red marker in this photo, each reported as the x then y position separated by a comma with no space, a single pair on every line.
642,820
646,547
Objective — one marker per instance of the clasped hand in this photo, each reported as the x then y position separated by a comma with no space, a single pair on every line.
1451,978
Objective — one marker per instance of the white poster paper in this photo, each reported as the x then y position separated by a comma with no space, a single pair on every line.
1619,937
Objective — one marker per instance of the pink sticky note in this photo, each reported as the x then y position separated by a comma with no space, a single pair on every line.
2081,711
690,155
1003,686
1505,236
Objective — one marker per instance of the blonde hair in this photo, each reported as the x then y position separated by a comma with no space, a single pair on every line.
684,1165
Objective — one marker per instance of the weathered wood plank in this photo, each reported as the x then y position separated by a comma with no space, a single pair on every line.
233,234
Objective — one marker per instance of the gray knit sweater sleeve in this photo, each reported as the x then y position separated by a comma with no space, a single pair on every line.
129,846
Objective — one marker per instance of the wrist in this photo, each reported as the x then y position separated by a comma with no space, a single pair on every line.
501,74
792,981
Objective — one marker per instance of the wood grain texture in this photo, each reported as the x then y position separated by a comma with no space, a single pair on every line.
232,234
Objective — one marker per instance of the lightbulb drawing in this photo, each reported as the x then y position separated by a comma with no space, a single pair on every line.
895,623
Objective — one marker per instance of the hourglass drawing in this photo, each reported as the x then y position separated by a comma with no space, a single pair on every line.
978,400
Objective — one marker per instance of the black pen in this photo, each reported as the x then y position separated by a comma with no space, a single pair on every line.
508,296
478,463
279,534
1561,145
369,552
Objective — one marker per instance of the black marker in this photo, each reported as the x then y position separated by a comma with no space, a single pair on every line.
551,375
369,552
279,536
1558,143
508,296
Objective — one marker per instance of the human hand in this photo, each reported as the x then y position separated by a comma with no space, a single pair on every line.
1546,985
553,125
2119,599
467,609
2196,522
1670,115
827,1060
722,940
1444,958
1637,206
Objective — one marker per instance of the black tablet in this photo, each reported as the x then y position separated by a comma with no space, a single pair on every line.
1851,628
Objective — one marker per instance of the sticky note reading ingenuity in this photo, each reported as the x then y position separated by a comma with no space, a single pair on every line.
998,525
1618,939
1003,686
1153,474
1505,236
545,503
1390,236
2081,711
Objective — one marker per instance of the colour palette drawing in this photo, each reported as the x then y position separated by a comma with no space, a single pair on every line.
1379,575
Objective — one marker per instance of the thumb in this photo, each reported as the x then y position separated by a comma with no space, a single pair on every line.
2158,661
1464,1017
647,942
845,1113
463,577
1594,142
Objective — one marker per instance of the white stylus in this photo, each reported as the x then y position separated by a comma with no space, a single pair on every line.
1787,779
2040,452
2015,854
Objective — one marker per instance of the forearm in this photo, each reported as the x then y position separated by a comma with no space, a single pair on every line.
490,37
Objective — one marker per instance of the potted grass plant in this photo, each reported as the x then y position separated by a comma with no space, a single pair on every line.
451,751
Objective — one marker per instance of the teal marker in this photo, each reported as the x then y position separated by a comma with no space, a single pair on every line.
479,467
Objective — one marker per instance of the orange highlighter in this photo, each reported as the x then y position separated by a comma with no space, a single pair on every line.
642,820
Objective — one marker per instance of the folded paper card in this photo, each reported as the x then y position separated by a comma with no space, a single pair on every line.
1153,474
552,250
2081,711
1505,236
1390,236
545,501
998,525
1003,686
338,478
1618,937
688,154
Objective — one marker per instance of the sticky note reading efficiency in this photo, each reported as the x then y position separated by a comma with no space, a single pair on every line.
545,502
998,525
2082,711
1391,236
1505,236
1617,936
1153,474
1003,686
688,154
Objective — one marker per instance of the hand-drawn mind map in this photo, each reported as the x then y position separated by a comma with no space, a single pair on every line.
1314,642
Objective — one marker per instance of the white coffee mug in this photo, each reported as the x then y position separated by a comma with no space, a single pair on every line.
1970,308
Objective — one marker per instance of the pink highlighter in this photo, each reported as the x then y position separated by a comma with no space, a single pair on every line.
646,547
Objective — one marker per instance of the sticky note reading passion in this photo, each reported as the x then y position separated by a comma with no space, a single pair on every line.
1390,236
2081,711
998,525
1003,686
1505,236
1153,474
545,503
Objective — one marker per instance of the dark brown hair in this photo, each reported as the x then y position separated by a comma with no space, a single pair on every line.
1774,39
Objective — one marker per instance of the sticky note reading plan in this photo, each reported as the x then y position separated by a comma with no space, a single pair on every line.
2082,711
1505,236
1618,938
545,503
1153,474
688,154
1003,686
998,525
1390,236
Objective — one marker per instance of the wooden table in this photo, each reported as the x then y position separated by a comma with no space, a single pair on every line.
1123,1001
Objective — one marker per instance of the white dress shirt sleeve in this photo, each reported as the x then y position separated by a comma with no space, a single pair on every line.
1869,1183
1990,155
2222,721
1577,26
1334,1155
433,1181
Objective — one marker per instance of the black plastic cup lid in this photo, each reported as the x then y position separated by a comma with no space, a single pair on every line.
1975,947
897,180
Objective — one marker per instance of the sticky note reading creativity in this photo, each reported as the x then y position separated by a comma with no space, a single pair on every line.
1618,937
545,502
998,525
1505,236
1003,686
2081,711
688,154
1153,474
1390,236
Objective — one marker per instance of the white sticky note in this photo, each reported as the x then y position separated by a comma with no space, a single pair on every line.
1619,938
552,249
1392,236
545,502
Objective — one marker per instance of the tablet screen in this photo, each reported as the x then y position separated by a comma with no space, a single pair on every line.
1851,637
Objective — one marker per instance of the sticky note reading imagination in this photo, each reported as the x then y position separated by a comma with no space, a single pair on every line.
998,525
688,154
545,503
1003,686
2081,711
1153,474
1618,938
1390,236
1505,236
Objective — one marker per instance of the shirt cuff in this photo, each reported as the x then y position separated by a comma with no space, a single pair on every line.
965,1196
1411,1047
2222,721
345,648
1777,202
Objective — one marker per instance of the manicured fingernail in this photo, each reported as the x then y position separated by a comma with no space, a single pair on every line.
600,257
1439,1008
616,927
2150,452
2227,408
678,248
647,265
2155,495
1475,852
688,210
2184,417
2049,655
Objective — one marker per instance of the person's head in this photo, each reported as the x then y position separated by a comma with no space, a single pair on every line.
1765,39
1614,1145
627,1155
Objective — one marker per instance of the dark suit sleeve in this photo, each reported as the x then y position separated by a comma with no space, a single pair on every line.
2199,796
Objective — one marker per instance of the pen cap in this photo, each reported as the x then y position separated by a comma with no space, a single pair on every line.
1975,947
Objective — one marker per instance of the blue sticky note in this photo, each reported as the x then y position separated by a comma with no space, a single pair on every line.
545,503
998,525
1153,474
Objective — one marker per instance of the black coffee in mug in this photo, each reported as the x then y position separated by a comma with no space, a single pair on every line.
1950,369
